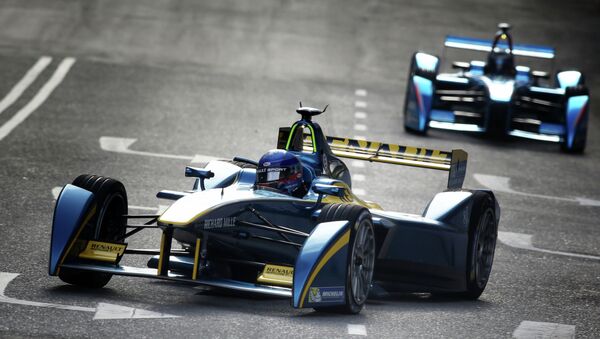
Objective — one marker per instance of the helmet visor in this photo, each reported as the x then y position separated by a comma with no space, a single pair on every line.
277,177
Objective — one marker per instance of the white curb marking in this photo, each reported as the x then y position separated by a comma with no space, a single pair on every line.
360,92
354,329
360,127
534,329
102,311
358,177
121,145
25,82
360,115
360,104
523,241
359,191
502,184
39,98
357,164
359,137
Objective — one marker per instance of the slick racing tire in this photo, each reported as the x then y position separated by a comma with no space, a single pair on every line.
361,254
106,224
414,70
483,232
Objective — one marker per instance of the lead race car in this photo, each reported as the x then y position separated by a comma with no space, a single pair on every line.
244,226
497,97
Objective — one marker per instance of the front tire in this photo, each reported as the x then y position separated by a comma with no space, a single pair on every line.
106,224
361,254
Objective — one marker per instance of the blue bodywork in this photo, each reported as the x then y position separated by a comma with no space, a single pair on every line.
71,208
331,273
496,96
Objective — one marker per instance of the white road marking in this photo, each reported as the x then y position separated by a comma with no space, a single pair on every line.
523,241
534,329
360,104
121,145
360,127
56,191
358,177
502,184
360,92
359,137
144,208
359,191
160,209
106,311
357,164
355,329
360,115
41,96
102,311
25,82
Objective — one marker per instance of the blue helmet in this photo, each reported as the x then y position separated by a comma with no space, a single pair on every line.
281,171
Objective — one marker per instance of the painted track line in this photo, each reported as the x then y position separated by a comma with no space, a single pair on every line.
534,329
41,96
360,104
358,163
360,92
502,184
25,82
524,241
355,329
101,312
360,127
360,115
122,145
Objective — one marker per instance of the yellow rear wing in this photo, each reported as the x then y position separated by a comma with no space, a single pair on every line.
455,161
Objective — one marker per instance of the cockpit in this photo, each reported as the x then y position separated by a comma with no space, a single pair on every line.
501,59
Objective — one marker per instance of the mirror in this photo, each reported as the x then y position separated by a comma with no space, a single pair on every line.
324,189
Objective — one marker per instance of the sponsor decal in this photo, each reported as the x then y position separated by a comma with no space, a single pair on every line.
283,271
103,251
277,275
217,223
333,294
106,247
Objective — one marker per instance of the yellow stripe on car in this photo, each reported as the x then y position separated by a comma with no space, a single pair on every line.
341,242
85,221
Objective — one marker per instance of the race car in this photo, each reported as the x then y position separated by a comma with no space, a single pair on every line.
496,96
323,247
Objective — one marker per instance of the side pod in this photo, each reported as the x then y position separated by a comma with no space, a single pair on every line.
321,267
70,214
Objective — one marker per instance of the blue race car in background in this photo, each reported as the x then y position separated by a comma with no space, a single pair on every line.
323,250
496,96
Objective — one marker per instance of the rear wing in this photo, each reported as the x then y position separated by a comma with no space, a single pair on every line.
483,45
454,162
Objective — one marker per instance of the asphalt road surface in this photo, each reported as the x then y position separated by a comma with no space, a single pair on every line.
218,78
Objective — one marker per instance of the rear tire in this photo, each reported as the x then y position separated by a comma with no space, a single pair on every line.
361,254
106,224
483,232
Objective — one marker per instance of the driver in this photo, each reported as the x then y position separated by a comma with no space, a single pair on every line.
281,171
500,60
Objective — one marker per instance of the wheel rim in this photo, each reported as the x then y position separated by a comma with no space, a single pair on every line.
484,247
362,262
